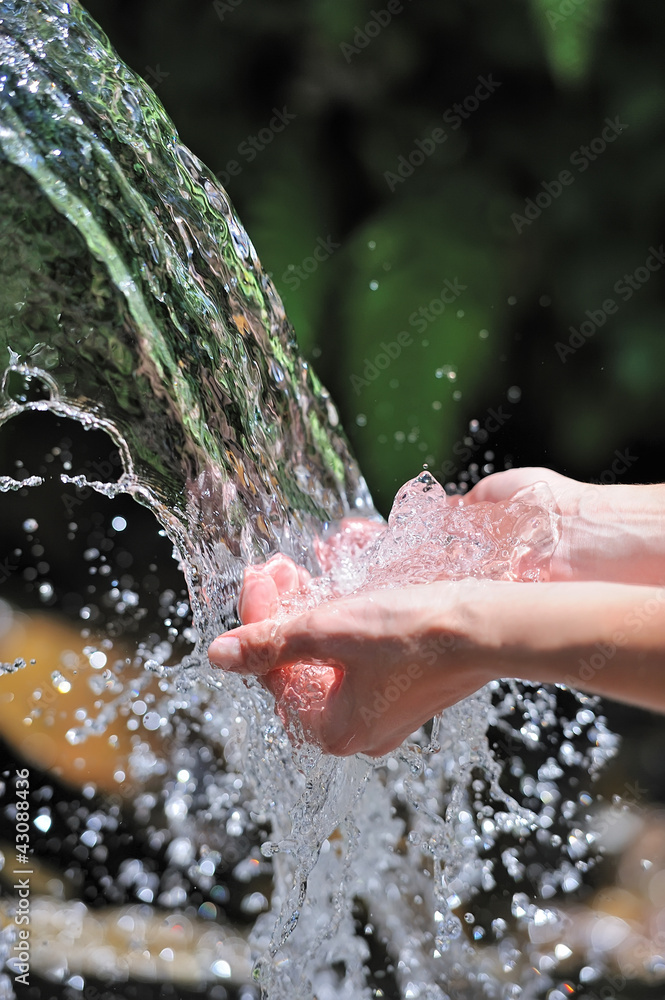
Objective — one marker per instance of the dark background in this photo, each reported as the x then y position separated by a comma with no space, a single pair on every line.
563,66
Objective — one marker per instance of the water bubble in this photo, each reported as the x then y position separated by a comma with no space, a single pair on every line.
221,969
60,683
153,720
373,285
118,524
255,903
30,525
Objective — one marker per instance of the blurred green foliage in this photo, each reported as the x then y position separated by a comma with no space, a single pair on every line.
364,93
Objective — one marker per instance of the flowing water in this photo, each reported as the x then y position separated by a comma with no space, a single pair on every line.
133,303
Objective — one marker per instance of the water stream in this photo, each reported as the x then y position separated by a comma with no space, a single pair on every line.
133,303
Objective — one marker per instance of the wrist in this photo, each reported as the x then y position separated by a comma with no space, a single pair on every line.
614,533
481,623
565,558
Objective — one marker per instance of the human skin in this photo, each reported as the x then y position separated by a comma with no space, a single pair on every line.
599,626
612,533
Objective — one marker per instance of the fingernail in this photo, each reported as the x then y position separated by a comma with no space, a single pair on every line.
225,651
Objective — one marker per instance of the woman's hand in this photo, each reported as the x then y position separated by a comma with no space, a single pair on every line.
383,663
611,532
503,486
363,672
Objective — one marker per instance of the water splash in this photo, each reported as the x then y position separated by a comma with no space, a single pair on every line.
132,301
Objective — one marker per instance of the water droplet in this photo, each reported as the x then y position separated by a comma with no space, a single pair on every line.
60,683
152,720
221,969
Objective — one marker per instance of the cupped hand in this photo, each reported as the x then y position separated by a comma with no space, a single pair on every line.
378,664
567,494
504,485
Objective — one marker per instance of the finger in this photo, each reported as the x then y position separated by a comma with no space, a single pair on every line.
496,487
259,598
284,572
261,647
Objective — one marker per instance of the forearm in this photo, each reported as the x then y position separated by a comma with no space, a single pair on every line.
613,533
604,638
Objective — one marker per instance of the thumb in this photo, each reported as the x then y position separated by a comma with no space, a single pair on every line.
263,646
